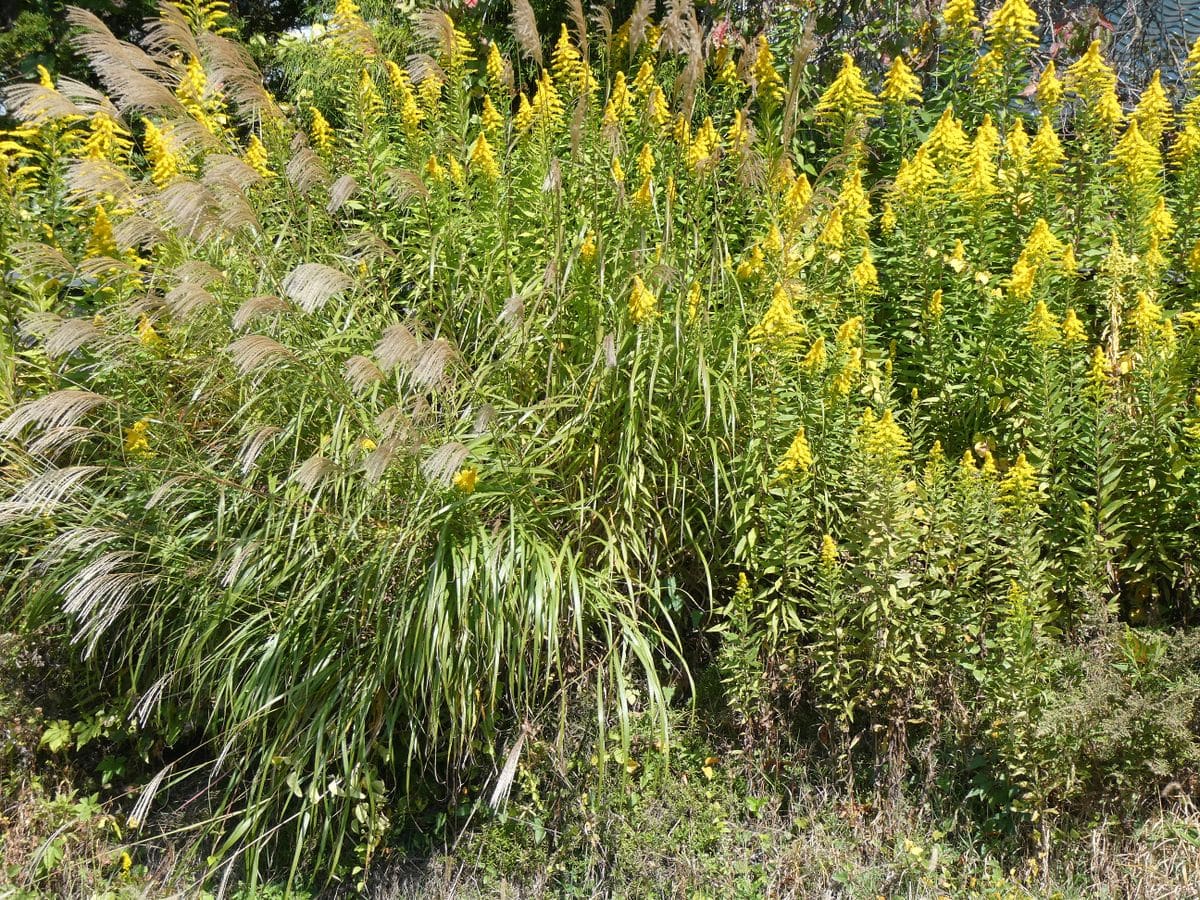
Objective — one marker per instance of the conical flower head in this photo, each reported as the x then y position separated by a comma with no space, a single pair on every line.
1042,328
1050,88
767,80
1012,27
565,59
1046,152
100,240
1153,113
1090,76
961,20
1136,158
643,305
882,438
847,98
780,325
798,460
483,158
900,84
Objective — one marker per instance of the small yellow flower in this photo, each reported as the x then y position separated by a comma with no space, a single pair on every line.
798,459
367,445
1073,332
587,250
900,84
465,479
147,336
643,305
136,438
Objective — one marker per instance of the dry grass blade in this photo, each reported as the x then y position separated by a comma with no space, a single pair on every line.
55,410
341,191
312,285
525,30
361,372
447,459
257,306
257,351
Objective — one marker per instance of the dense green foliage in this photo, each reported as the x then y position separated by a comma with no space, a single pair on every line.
355,435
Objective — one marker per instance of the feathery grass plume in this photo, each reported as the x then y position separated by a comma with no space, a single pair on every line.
341,191
190,208
361,373
252,447
397,347
439,467
254,307
45,492
234,68
55,410
638,20
134,80
37,105
198,272
97,181
313,471
137,231
306,171
222,169
431,367
188,298
525,30
311,285
253,352
578,20
170,33
100,592
35,258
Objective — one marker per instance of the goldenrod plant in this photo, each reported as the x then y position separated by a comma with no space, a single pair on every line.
349,432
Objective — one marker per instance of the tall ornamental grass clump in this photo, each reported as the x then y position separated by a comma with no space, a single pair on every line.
345,436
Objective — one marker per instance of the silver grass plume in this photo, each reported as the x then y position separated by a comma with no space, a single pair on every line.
232,65
432,362
41,259
637,23
170,32
191,208
361,373
376,463
602,19
257,306
436,29
525,30
312,285
421,66
124,69
86,97
100,591
240,556
306,171
440,466
186,298
256,441
137,231
405,185
313,471
37,105
96,181
341,191
197,271
51,444
55,410
222,169
257,351
45,492
579,21
397,347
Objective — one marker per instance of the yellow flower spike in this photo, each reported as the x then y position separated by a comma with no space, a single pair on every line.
100,240
137,440
44,78
1160,221
1021,282
883,440
865,278
1193,60
367,445
737,134
106,140
988,468
643,79
617,170
1049,89
694,301
1136,158
833,235
1046,152
795,202
1091,77
1016,146
966,464
798,460
1073,332
548,109
947,143
780,324
645,161
887,218
457,176
483,159
1042,328
915,178
466,479
1019,487
523,119
829,554
988,72
1193,259
961,20
848,332
704,146
767,81
643,305
1153,113
434,170
1068,263
957,260
844,380
772,244
681,131
321,131
643,198
617,110
587,250
752,264
565,59
1012,27
146,334
1186,146
816,357
847,98
370,103
1146,315
935,305
658,112
489,116
494,68
164,162
900,85
256,157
